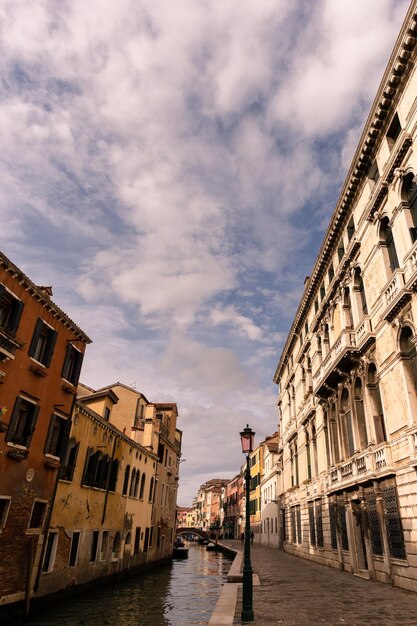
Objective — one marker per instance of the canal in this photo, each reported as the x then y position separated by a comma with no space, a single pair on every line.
183,593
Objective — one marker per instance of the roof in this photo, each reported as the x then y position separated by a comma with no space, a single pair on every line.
42,297
102,393
119,384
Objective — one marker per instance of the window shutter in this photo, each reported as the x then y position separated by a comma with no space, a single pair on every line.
77,368
50,433
63,444
65,368
35,337
13,419
16,315
71,466
32,425
52,335
86,466
2,290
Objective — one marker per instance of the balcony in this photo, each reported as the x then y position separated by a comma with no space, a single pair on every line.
360,468
395,295
339,359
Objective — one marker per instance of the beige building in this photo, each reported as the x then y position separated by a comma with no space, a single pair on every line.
347,375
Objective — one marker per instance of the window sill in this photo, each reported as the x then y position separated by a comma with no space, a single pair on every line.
52,462
38,370
17,451
68,387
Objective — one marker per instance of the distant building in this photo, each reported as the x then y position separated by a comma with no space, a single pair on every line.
41,352
185,517
256,464
270,489
208,504
347,374
232,522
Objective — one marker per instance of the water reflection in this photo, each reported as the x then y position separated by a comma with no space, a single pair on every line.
181,594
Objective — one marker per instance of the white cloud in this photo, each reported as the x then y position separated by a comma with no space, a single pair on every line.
169,166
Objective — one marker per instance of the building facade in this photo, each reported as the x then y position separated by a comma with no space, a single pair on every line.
348,373
41,352
270,489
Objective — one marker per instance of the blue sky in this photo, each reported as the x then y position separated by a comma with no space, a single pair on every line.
170,168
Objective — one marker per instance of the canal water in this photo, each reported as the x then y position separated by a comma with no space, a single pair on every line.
183,593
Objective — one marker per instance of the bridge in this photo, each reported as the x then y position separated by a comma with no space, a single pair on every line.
197,532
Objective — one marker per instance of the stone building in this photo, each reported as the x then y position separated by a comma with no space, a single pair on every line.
232,519
347,375
270,489
41,352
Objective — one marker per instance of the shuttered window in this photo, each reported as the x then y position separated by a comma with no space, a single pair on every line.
23,422
68,468
10,311
57,439
72,364
43,343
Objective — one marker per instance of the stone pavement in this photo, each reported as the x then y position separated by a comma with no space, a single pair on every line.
297,592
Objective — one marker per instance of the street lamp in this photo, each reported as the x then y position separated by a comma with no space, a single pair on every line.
247,437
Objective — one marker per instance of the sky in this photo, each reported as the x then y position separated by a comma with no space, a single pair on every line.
170,169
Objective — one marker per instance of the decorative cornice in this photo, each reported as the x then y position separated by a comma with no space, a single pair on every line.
394,78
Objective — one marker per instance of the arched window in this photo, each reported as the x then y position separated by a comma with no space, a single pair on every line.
387,239
360,413
346,416
409,359
334,434
132,483
376,403
347,308
359,291
136,488
409,195
151,490
116,546
126,480
142,486
326,338
128,539
308,455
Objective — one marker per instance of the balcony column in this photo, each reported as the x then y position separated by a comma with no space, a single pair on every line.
384,533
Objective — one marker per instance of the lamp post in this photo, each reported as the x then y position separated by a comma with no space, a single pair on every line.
247,437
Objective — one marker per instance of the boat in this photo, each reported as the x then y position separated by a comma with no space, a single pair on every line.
180,553
211,547
180,550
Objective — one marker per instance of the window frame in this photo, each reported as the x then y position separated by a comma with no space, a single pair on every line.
24,440
43,355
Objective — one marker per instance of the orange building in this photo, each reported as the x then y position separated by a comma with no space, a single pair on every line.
41,352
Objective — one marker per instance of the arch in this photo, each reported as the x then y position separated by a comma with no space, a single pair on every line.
347,307
346,415
116,546
408,351
334,433
126,480
409,196
128,539
360,412
132,482
136,487
359,291
142,486
376,403
151,490
386,238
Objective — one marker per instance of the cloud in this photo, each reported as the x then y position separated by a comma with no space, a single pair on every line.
170,168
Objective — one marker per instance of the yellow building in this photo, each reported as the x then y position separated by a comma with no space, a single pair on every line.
256,464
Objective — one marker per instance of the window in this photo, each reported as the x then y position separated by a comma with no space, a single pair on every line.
99,469
37,516
340,251
409,195
373,173
23,421
106,415
43,343
330,274
72,365
94,546
50,552
142,486
116,547
10,311
75,543
136,545
150,490
126,480
57,439
387,238
68,468
393,131
4,510
104,545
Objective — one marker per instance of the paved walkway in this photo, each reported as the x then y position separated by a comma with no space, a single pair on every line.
297,592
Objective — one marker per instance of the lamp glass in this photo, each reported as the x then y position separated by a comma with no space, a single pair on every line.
247,437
